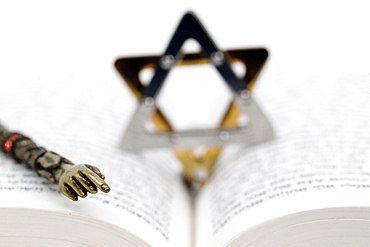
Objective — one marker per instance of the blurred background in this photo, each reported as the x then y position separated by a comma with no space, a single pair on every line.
57,44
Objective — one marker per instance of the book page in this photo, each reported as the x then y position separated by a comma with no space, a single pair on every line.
320,158
85,124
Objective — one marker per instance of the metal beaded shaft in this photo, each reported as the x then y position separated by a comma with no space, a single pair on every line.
25,151
73,180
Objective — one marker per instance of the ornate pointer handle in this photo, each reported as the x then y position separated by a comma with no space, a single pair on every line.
73,180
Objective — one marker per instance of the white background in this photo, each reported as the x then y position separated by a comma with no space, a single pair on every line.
49,43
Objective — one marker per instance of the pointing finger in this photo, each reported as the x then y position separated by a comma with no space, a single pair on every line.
96,180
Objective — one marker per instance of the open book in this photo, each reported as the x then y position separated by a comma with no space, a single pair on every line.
308,187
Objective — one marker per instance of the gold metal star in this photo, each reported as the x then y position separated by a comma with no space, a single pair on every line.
194,166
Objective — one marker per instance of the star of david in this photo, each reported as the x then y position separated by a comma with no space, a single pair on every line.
196,169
